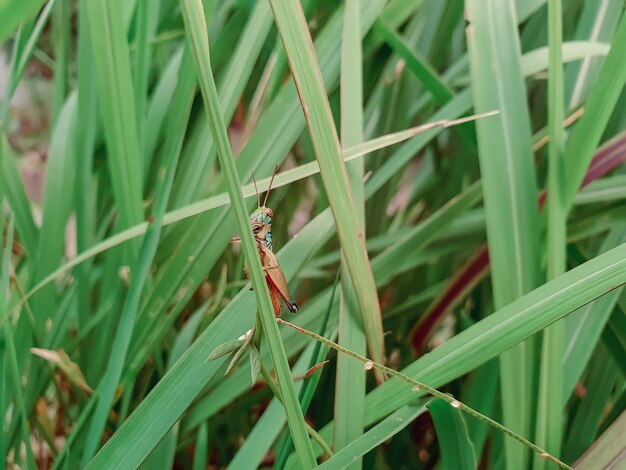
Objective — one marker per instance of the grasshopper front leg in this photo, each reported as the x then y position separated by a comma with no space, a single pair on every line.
268,258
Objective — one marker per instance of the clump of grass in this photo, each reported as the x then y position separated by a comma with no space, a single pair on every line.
415,140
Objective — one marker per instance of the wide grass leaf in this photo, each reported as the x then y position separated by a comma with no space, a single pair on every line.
510,192
300,52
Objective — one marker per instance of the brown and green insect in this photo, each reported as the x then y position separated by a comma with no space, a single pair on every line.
261,224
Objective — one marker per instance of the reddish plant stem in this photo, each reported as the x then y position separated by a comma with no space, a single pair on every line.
611,155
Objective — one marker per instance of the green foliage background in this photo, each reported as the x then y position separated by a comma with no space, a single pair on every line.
425,248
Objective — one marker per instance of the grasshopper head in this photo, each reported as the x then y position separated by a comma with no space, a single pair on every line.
261,223
262,215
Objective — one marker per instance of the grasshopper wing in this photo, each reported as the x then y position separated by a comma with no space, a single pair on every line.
276,279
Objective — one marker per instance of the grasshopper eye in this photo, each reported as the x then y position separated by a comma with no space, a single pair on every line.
269,212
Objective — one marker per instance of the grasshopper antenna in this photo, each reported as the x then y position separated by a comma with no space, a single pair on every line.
270,186
258,198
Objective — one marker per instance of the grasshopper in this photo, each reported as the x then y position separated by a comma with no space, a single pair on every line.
261,224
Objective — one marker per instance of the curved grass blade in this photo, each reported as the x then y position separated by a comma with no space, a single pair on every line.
296,38
193,14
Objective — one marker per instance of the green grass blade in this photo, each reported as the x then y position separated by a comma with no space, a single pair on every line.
269,425
13,370
57,206
4,310
85,195
556,212
300,53
201,451
3,382
198,38
425,72
117,108
598,108
146,18
350,376
608,189
510,192
13,12
383,431
441,92
597,23
16,198
9,177
455,445
421,388
549,426
536,61
108,24
398,11
603,377
584,327
61,28
480,394
169,442
160,101
166,450
320,354
9,365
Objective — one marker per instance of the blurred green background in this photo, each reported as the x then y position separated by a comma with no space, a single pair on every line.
484,258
